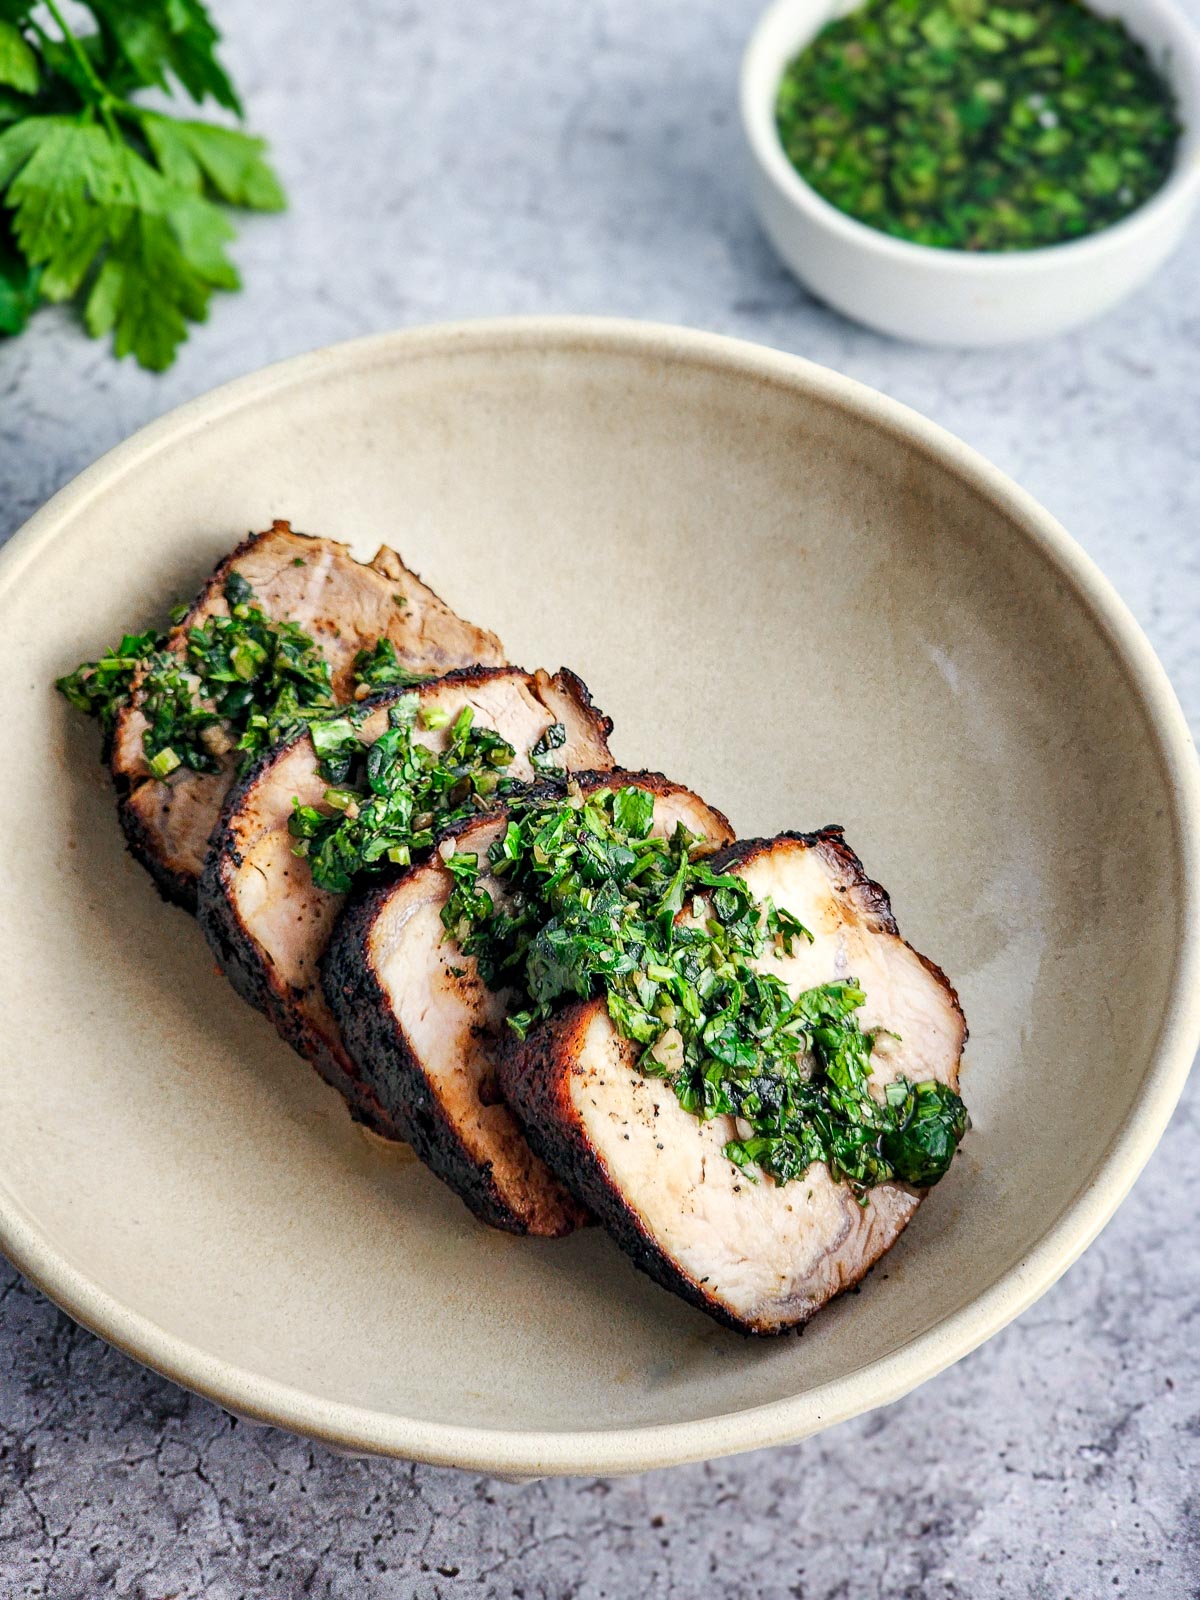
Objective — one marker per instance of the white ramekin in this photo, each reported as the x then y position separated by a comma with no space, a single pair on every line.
955,296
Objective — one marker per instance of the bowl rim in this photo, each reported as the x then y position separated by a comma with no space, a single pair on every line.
524,1453
793,18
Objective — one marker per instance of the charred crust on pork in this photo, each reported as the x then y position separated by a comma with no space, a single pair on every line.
371,1032
248,964
530,1072
375,1035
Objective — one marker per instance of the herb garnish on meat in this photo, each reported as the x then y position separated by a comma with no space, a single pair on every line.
390,798
244,682
241,682
382,668
593,905
101,688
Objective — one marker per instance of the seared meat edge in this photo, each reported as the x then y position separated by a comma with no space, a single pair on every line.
243,959
375,1038
145,805
534,1075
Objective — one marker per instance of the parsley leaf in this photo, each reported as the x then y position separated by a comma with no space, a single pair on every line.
158,40
18,63
224,162
160,268
63,178
18,285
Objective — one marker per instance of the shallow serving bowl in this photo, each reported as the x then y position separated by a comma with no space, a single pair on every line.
791,593
957,297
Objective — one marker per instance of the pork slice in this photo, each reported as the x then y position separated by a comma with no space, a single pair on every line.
424,1028
759,1256
345,606
268,922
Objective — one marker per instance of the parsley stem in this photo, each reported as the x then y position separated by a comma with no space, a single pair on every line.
77,51
105,99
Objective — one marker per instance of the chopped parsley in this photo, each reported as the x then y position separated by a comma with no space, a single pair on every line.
381,668
541,755
241,683
592,905
101,688
969,125
389,799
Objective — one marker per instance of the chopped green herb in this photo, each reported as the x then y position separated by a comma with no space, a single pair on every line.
101,688
381,668
164,762
336,742
929,1124
974,126
591,905
393,796
241,682
342,800
237,589
554,738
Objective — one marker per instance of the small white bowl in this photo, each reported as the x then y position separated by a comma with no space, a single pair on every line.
958,297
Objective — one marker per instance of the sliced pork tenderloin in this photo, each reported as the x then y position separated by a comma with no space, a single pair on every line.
266,920
345,606
759,1256
424,1028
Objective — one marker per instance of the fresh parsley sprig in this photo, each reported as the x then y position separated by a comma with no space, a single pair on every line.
109,202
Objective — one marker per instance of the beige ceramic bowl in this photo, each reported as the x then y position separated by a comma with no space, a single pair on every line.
790,592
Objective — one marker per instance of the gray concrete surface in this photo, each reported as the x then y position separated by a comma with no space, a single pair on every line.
461,157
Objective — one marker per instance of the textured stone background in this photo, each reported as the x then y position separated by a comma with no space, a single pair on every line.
455,158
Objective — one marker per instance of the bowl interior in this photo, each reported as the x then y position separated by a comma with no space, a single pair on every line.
784,601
